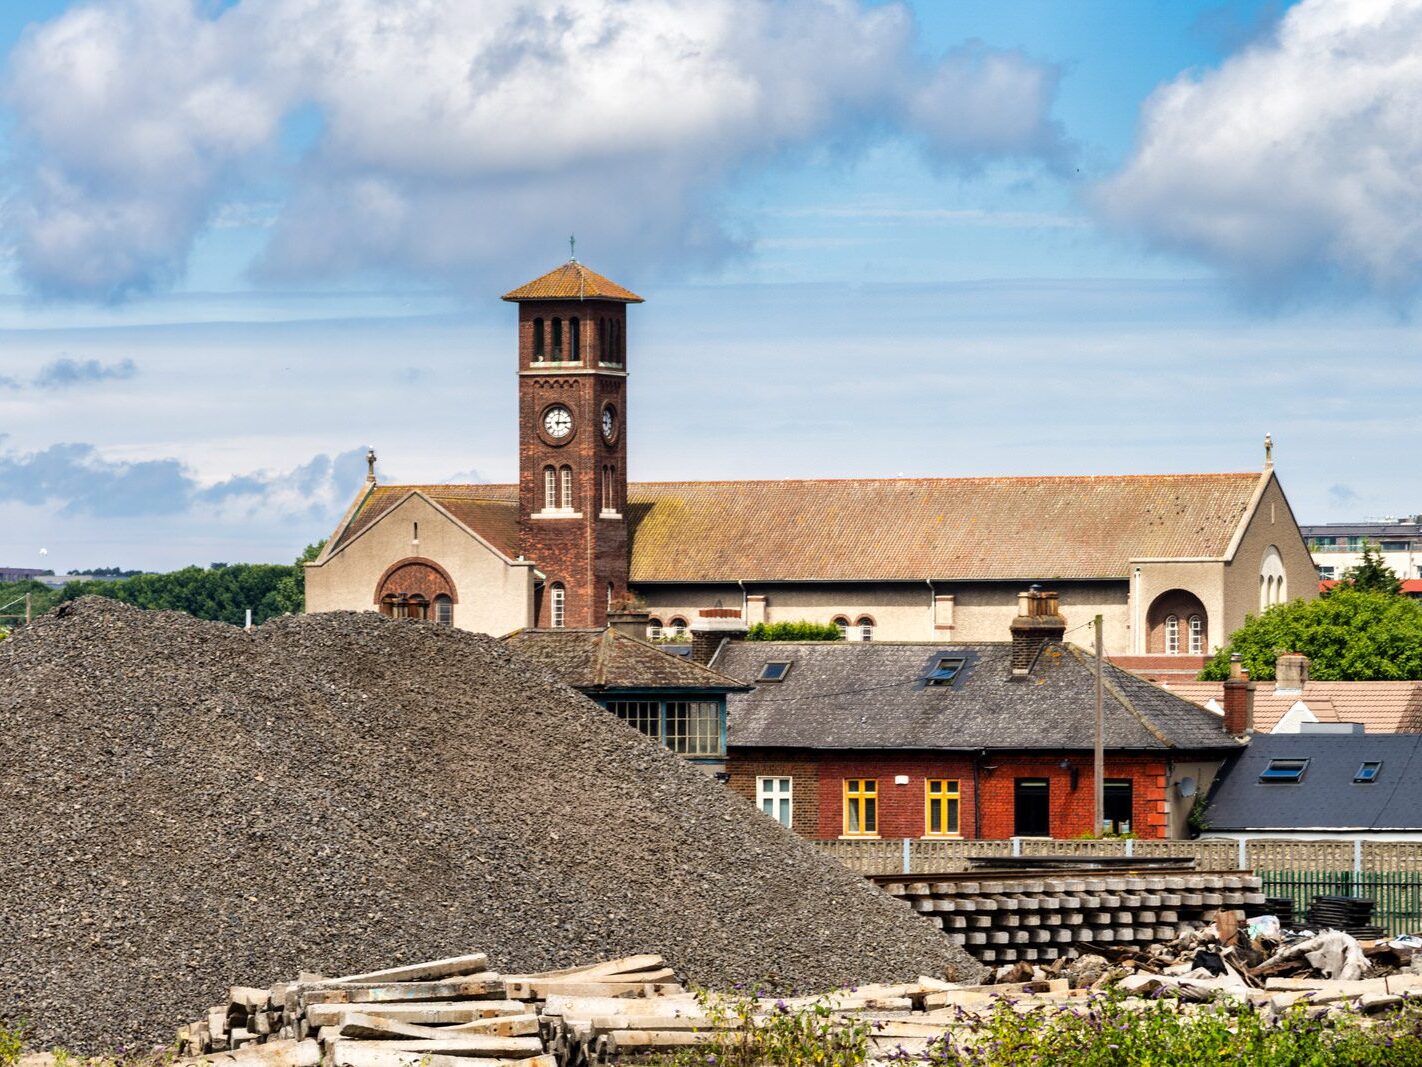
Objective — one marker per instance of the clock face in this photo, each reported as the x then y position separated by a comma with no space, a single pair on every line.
558,421
609,423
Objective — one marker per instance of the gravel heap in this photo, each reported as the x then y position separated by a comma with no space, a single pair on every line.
185,806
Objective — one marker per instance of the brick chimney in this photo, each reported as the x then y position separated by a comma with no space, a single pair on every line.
712,627
631,622
1238,700
1290,673
1038,623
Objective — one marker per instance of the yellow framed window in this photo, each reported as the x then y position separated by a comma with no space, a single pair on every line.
861,807
942,802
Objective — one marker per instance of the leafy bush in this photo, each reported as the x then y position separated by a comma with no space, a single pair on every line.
794,631
1347,636
12,1043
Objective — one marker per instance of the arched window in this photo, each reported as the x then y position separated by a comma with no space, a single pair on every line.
568,488
609,596
557,339
558,605
654,629
614,343
602,353
1172,635
866,628
538,340
550,489
1272,586
843,624
1197,635
444,610
575,339
678,628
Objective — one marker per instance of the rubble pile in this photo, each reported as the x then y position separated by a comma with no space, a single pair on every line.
187,805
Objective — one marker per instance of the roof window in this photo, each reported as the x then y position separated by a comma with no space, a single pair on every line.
944,670
774,671
1368,772
1284,770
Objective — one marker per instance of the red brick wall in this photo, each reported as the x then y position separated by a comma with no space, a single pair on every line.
902,808
587,553
805,792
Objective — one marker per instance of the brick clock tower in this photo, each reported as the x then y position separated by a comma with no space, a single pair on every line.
572,410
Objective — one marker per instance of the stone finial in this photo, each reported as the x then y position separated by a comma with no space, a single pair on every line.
1268,450
370,465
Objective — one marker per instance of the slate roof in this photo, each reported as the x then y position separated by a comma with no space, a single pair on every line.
1382,707
870,695
572,281
1327,798
891,529
603,658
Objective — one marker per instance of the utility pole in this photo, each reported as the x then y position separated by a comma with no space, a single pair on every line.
1100,775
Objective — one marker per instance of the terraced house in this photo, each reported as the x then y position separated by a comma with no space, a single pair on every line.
1173,562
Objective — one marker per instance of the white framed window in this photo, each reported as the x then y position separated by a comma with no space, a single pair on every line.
774,797
654,629
866,628
678,628
550,489
1172,634
1197,635
843,624
558,605
568,488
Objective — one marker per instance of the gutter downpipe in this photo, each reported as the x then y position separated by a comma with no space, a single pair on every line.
745,602
978,795
932,609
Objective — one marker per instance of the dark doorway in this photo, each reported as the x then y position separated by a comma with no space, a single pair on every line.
1116,799
1032,815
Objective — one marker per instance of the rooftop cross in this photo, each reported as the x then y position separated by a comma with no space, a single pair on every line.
1268,450
572,248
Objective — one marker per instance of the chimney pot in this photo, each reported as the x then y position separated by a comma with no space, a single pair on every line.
1038,623
1238,700
1290,673
631,623
711,628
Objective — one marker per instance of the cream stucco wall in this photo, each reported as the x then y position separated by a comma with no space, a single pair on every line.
1177,808
905,611
1273,523
494,594
1204,578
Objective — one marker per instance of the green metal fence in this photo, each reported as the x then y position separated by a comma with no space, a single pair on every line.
1398,893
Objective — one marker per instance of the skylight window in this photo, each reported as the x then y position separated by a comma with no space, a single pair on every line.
944,670
1284,770
774,671
1368,772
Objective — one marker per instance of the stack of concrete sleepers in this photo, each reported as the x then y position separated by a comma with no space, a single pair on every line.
1003,916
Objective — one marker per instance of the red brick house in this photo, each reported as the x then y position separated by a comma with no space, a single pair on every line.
970,740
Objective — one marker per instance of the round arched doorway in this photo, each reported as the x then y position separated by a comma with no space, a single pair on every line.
417,589
1177,624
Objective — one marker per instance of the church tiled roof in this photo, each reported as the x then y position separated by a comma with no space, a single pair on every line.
602,658
889,529
573,281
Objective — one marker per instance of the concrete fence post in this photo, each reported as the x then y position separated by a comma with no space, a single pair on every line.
1017,846
1357,863
908,856
1130,847
1244,854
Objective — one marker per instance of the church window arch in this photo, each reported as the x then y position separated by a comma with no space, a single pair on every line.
1197,635
575,340
1272,579
567,480
538,350
843,624
654,629
550,489
444,610
1172,634
865,625
557,340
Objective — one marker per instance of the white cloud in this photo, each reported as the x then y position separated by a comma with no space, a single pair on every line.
1299,159
454,135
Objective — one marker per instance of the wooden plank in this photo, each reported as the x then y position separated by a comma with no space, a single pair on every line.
450,967
431,1013
396,991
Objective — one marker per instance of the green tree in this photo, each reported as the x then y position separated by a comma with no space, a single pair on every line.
291,590
1372,575
1348,636
794,631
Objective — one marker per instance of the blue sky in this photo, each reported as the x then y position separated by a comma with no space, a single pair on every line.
239,242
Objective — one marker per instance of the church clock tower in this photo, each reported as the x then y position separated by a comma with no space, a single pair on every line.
572,411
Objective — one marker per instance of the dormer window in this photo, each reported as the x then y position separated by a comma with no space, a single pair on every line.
1284,770
1368,772
944,670
774,671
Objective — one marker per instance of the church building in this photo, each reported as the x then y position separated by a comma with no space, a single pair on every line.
1172,562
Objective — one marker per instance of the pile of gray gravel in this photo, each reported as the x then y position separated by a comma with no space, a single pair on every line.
185,806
